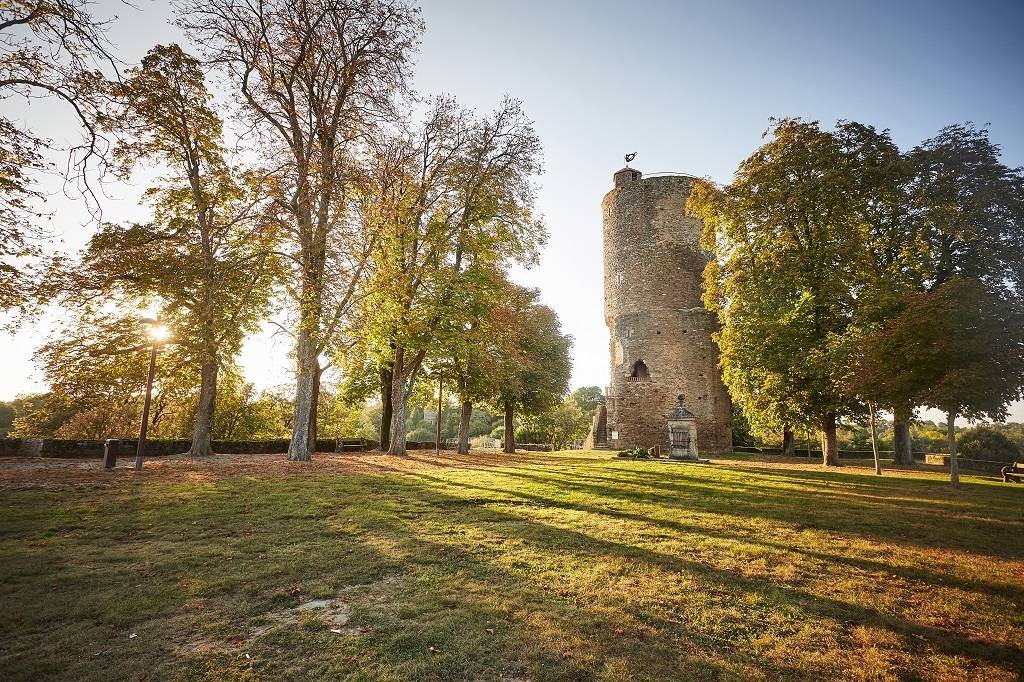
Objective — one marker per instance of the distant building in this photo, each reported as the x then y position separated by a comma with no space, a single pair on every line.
661,343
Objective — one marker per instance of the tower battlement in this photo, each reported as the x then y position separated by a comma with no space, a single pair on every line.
661,343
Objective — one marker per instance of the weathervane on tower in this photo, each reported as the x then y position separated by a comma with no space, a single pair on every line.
630,157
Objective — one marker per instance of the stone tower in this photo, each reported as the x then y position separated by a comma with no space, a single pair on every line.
661,343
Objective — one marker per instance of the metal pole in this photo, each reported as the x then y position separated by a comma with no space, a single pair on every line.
437,426
140,453
874,438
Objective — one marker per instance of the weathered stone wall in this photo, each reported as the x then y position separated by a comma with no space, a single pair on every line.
653,268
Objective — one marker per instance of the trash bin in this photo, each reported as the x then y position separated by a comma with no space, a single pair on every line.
111,449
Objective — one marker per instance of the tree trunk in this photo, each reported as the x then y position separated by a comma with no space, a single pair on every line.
874,438
307,392
399,410
954,467
829,443
403,377
202,431
387,408
510,437
901,440
467,414
788,442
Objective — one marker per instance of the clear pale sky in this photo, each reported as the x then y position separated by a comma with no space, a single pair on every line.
689,86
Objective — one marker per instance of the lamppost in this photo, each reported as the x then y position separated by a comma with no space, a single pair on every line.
157,333
437,422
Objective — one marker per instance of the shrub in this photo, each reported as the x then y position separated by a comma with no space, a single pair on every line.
525,434
636,453
422,434
983,442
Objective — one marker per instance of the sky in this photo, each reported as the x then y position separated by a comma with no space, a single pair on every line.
688,86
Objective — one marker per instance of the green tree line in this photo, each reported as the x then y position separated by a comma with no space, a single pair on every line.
375,226
852,276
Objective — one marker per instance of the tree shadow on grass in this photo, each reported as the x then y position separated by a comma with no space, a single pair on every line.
829,510
554,634
555,540
756,538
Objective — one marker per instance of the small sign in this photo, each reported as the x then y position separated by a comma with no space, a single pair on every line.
615,435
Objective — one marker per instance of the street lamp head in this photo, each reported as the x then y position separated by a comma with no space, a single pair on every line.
158,333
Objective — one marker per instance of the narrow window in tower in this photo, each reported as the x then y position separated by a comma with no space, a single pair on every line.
619,278
639,372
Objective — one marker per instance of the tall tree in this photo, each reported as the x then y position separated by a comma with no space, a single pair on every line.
533,374
561,425
477,351
971,212
588,398
315,77
786,241
968,346
890,264
208,254
453,202
48,49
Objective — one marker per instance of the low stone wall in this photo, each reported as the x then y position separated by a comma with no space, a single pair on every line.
93,449
989,466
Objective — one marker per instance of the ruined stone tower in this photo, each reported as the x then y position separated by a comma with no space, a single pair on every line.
661,343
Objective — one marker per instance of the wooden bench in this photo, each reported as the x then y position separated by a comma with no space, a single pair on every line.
1013,473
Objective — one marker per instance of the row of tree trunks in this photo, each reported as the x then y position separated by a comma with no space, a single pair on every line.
388,421
829,441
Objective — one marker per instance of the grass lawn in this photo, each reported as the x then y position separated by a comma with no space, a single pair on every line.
572,566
